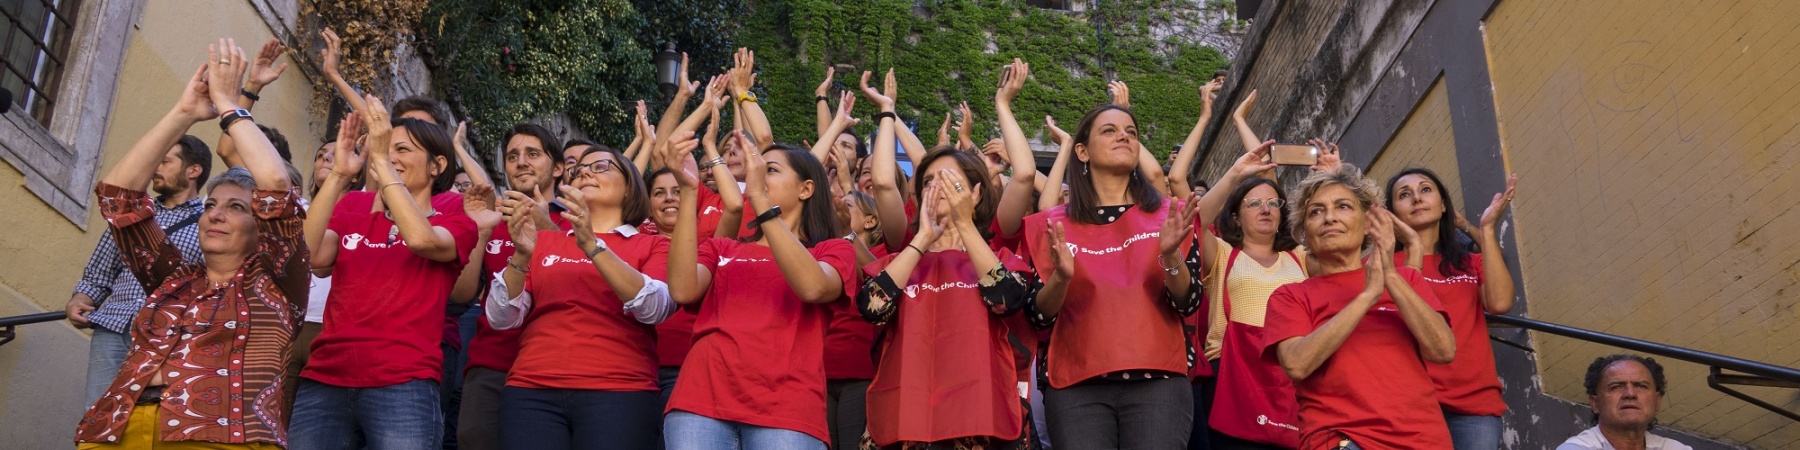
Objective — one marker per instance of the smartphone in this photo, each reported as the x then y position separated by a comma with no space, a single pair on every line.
1294,154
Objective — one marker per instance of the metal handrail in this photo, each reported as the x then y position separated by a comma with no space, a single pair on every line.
7,333
1757,373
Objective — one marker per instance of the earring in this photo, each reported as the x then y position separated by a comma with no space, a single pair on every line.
1084,169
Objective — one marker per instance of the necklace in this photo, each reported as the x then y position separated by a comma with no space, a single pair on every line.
394,230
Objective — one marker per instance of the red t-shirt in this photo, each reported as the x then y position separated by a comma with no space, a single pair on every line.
712,209
578,335
1469,384
490,348
1374,388
386,307
850,340
758,355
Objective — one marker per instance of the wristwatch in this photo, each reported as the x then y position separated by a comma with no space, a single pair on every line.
233,116
747,97
771,214
599,246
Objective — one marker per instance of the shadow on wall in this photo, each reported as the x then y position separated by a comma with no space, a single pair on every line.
42,374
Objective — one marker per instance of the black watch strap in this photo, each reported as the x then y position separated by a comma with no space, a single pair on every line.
250,95
231,117
770,214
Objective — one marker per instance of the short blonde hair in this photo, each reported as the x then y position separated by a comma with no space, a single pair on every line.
1367,192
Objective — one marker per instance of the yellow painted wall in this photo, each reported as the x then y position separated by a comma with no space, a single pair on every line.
1424,140
1661,145
43,253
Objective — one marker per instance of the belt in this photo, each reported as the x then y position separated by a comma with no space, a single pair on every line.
152,395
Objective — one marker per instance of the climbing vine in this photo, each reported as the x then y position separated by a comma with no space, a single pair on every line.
950,51
371,31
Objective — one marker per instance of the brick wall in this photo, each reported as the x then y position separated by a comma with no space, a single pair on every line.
1424,140
1658,142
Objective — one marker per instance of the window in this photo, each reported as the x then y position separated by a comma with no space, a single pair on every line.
1059,5
34,44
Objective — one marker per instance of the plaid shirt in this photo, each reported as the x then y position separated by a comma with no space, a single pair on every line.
115,291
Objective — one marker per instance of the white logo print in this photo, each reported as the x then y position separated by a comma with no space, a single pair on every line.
553,259
1264,420
724,261
912,291
1459,279
1121,247
494,246
710,210
351,240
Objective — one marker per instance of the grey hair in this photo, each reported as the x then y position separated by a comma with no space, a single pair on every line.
1367,192
236,176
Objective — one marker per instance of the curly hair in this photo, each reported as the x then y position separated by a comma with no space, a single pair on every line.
1346,175
1598,368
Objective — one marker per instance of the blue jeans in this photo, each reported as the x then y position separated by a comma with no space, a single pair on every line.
106,352
683,430
1474,432
404,416
556,419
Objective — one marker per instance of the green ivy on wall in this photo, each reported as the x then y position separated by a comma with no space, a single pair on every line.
501,62
950,51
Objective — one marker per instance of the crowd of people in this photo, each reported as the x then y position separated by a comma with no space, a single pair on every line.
710,287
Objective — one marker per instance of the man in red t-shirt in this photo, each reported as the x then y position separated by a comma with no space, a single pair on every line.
531,166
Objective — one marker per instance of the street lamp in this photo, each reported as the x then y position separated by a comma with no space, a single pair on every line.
668,67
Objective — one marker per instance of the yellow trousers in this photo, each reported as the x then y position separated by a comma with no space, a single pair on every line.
140,434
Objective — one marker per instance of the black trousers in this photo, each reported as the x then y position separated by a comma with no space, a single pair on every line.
560,419
1156,413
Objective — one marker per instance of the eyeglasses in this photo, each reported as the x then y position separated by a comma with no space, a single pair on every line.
597,167
1254,203
462,186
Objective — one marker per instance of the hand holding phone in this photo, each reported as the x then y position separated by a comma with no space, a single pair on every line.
1294,154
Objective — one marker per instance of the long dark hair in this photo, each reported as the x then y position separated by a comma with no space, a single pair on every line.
635,207
435,143
1233,234
1084,201
972,168
818,219
1453,246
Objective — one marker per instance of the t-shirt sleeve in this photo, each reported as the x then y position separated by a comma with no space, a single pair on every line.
1416,281
879,264
840,255
1475,267
656,259
1288,317
708,252
464,231
347,206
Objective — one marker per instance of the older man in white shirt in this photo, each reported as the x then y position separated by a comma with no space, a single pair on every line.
1625,392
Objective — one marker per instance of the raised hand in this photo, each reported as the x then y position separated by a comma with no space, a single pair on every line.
965,128
1497,208
1057,135
195,103
825,86
461,142
931,221
347,160
756,169
1254,161
1243,109
1121,94
686,88
944,131
376,121
328,58
225,73
844,119
743,71
883,100
1012,80
715,92
1177,227
960,194
481,206
577,215
1329,156
1381,233
1209,92
521,221
681,144
1062,258
265,71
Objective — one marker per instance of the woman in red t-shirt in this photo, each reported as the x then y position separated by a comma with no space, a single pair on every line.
946,376
1356,337
1435,240
590,292
755,377
396,255
1118,275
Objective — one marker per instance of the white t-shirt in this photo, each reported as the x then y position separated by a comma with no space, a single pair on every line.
316,291
1591,439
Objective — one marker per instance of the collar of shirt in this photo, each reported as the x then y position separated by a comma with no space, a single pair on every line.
626,230
195,202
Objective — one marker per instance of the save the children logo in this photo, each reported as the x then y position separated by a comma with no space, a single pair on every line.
1115,249
553,259
912,291
494,245
1264,420
351,240
724,261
